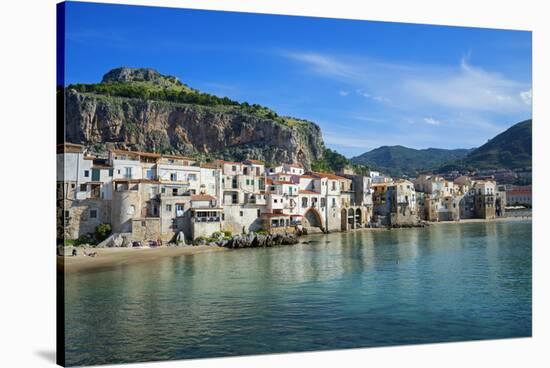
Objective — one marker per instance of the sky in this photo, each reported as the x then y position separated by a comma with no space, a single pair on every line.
366,84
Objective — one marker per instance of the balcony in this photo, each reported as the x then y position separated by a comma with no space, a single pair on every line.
206,219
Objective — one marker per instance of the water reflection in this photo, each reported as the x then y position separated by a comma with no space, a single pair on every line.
366,288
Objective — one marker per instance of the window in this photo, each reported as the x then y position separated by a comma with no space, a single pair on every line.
73,185
247,182
304,202
323,202
233,168
163,190
192,177
143,224
275,200
86,173
149,174
259,213
128,172
333,185
174,191
173,176
234,198
93,214
223,216
168,208
111,172
179,209
82,187
333,202
241,213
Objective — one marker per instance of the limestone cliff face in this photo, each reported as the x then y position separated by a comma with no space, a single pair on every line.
225,132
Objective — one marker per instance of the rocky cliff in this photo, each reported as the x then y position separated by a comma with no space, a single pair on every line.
140,109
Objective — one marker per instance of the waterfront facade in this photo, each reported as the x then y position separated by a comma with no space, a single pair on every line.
151,196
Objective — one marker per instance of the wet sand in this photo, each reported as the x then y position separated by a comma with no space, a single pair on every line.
111,257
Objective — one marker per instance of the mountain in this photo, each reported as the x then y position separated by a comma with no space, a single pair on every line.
399,160
141,109
511,149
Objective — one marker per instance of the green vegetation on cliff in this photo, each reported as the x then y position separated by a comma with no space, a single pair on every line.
334,162
140,109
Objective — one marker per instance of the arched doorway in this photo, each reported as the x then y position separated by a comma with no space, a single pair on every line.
358,219
313,219
344,219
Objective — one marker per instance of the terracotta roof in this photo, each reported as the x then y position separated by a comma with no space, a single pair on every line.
136,153
306,176
209,165
255,162
202,197
283,182
327,175
269,181
176,157
307,192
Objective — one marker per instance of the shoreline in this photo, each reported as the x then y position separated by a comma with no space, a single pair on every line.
473,221
108,258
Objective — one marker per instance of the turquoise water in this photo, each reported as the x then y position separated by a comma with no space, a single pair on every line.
408,286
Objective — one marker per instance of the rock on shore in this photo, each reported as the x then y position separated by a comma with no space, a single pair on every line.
258,241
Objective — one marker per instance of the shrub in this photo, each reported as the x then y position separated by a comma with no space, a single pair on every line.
227,233
102,231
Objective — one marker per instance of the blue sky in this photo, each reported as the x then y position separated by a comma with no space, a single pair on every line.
367,84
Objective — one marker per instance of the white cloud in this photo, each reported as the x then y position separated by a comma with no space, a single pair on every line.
432,121
527,96
343,93
424,88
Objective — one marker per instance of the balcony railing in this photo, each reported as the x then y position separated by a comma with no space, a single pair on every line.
206,219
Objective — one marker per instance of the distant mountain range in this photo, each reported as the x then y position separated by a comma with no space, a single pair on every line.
510,149
399,160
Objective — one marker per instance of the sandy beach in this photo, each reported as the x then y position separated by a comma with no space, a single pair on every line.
110,257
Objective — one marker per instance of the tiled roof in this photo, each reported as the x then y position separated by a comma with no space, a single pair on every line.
327,175
255,162
307,192
283,182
